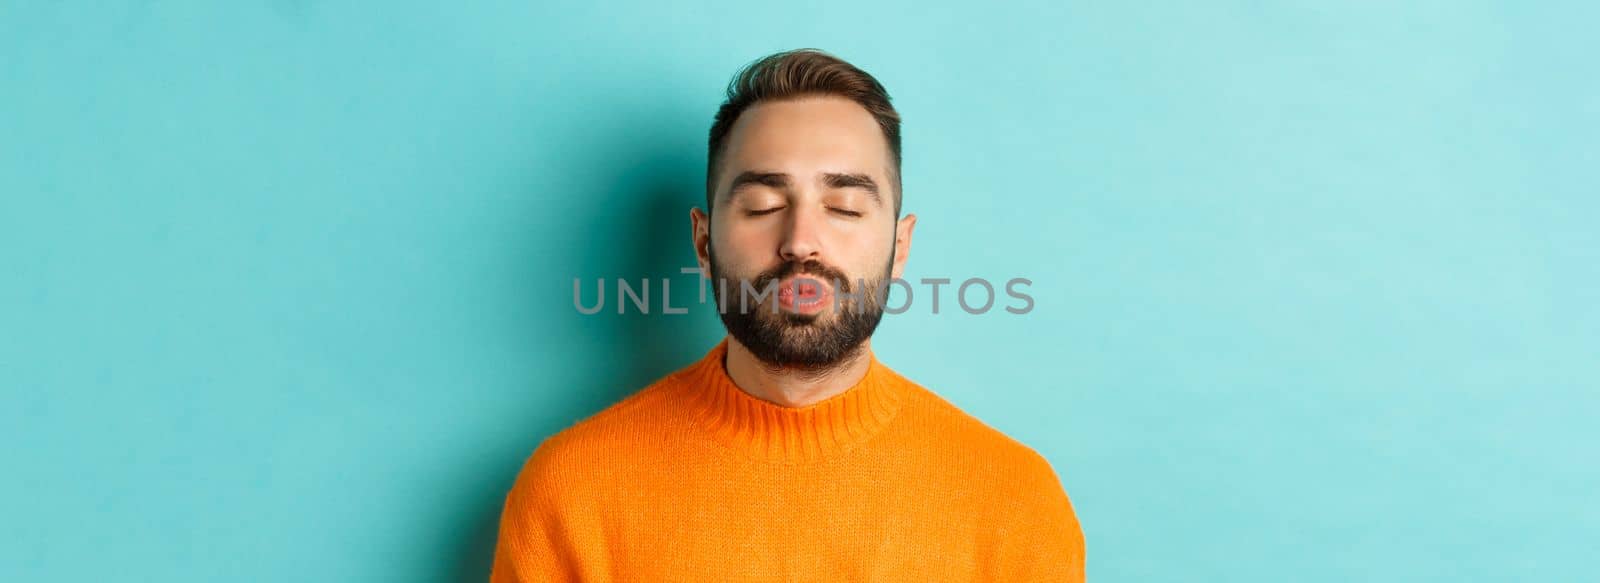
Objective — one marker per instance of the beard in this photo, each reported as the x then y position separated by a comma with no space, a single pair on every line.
806,342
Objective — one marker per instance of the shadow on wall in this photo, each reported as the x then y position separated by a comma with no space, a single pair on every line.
636,227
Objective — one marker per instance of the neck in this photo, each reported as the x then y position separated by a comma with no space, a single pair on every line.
794,387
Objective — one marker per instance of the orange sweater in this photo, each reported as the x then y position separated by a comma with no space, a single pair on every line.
692,479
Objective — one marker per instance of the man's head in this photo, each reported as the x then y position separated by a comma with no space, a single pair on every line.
803,189
797,74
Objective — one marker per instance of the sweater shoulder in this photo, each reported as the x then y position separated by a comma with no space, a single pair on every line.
584,446
974,437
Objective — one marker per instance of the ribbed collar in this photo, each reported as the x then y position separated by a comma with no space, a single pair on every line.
770,431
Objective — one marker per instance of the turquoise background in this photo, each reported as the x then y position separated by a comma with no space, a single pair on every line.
285,288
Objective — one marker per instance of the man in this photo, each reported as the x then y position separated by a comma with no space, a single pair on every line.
789,452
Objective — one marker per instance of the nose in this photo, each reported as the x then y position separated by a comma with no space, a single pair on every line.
801,240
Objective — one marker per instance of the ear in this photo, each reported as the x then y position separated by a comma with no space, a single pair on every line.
700,228
902,243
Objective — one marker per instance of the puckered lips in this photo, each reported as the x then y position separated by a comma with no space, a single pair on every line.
803,294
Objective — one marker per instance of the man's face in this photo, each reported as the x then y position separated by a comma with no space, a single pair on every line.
803,198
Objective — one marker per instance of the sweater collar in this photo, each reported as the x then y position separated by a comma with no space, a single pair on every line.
770,431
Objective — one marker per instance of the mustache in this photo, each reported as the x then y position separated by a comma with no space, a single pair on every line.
810,267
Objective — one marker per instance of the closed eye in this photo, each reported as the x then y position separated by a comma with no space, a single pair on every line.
845,212
757,213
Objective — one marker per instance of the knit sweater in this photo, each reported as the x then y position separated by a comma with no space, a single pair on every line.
692,479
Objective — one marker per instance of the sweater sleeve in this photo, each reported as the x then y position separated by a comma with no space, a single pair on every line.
1044,541
532,544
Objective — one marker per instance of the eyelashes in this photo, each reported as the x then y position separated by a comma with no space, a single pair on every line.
761,212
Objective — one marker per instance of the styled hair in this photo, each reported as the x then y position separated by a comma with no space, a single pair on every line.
800,73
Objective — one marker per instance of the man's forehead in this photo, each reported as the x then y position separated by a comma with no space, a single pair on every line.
829,124
806,138
807,107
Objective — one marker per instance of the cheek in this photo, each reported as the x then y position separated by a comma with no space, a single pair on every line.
873,253
858,241
737,247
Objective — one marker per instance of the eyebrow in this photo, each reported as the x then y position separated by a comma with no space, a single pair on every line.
781,180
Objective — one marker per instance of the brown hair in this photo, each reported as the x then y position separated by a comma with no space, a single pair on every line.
799,73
